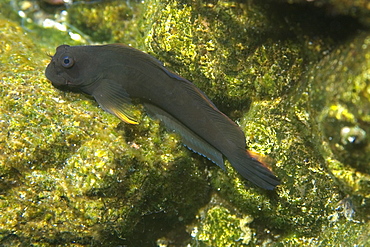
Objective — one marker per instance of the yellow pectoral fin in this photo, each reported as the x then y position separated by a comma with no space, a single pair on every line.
112,97
123,116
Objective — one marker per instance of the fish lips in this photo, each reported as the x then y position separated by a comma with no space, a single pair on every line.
59,81
67,87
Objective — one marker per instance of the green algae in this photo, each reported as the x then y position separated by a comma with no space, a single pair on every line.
39,133
227,67
67,171
107,22
348,106
72,173
219,227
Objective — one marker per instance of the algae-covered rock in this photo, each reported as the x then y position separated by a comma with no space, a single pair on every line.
295,81
70,173
113,22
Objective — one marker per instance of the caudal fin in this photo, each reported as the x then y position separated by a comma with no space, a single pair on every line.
253,170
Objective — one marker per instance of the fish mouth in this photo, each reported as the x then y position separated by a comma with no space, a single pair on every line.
59,81
66,86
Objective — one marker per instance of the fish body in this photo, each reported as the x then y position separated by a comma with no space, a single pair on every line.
115,74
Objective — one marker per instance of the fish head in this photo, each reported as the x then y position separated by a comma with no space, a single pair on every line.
73,68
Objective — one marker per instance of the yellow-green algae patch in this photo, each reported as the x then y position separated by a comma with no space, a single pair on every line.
220,51
220,227
39,131
70,173
114,21
342,101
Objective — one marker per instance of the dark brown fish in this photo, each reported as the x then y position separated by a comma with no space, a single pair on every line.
114,74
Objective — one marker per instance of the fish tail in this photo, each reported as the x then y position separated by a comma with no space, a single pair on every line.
253,170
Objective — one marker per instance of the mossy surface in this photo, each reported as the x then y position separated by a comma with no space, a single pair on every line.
73,174
113,22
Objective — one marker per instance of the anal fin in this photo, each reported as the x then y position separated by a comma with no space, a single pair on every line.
190,139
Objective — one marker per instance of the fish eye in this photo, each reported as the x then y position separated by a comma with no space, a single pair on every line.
67,62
